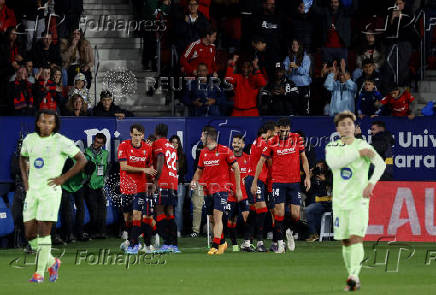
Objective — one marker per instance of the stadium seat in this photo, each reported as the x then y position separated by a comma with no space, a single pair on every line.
326,226
11,198
110,218
59,223
6,220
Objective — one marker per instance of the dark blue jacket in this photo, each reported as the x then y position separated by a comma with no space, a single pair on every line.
365,102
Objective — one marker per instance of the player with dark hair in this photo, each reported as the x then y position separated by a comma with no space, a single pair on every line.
166,182
349,158
285,151
238,206
213,171
135,160
256,191
45,152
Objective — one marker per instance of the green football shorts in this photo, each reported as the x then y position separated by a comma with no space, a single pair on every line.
350,222
42,205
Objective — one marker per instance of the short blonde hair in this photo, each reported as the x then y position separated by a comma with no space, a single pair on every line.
342,116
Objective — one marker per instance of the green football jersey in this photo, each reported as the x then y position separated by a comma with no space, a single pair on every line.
47,157
350,172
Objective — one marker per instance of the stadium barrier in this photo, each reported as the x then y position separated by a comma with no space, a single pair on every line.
414,149
402,211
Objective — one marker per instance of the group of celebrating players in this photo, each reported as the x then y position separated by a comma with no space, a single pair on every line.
233,182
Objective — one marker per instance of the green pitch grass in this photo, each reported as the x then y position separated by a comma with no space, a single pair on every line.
314,268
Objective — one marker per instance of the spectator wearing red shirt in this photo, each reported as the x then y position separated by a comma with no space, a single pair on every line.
46,97
213,172
241,207
7,17
200,51
285,152
21,94
246,84
135,159
166,181
13,48
398,103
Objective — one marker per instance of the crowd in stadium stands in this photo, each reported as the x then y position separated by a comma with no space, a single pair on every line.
314,57
46,61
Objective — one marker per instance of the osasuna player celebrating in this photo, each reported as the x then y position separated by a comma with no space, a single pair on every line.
285,150
213,172
349,158
257,191
135,159
238,206
166,181
45,151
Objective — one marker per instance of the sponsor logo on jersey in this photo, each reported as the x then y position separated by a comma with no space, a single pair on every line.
268,25
346,173
212,162
285,151
38,163
136,159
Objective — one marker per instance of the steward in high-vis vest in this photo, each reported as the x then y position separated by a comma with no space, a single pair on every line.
94,194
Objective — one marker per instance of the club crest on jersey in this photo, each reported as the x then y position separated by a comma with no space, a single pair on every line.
38,163
346,173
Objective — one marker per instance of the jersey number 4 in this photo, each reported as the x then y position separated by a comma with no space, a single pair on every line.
171,160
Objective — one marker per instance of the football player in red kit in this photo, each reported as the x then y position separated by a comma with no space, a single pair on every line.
135,163
257,191
213,172
166,181
238,207
285,150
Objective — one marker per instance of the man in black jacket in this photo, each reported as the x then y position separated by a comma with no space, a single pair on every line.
281,95
270,25
69,12
382,141
336,28
46,52
107,108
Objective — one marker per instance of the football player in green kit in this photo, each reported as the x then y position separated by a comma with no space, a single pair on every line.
349,159
45,151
